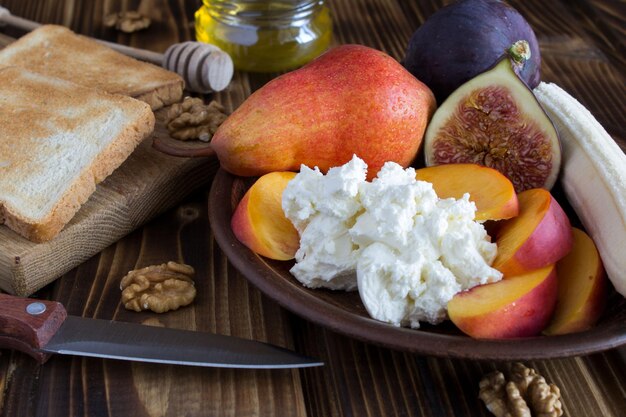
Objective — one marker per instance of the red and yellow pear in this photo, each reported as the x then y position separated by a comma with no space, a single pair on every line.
351,100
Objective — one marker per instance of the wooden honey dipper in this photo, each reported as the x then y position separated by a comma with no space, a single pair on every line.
204,67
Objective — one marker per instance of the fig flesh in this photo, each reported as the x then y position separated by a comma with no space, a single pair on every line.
465,39
495,120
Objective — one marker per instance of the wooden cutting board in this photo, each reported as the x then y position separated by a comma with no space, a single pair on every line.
146,184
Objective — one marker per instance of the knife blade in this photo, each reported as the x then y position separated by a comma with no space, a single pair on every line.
41,328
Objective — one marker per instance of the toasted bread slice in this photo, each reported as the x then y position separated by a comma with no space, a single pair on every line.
57,140
57,51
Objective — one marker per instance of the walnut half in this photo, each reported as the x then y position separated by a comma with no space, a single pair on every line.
192,119
159,288
525,394
128,22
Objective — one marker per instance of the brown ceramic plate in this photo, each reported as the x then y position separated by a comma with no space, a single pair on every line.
344,313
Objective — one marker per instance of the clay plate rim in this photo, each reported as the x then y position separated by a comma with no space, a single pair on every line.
344,313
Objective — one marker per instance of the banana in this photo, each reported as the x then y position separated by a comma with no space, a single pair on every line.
593,175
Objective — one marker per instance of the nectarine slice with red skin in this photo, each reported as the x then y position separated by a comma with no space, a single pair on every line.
582,288
539,236
520,306
492,192
259,221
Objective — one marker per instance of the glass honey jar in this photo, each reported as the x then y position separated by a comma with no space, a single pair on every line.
266,35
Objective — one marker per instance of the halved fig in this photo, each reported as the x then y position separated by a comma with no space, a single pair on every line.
495,120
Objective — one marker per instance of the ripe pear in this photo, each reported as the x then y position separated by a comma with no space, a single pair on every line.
351,100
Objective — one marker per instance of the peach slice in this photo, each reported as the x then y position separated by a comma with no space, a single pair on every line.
582,288
539,236
519,306
492,192
259,221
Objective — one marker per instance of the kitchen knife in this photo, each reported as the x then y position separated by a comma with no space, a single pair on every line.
41,328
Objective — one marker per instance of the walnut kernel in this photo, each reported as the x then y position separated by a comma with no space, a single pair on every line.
128,22
192,119
526,394
501,398
544,398
159,288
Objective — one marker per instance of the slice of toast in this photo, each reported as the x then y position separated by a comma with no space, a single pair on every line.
57,141
57,51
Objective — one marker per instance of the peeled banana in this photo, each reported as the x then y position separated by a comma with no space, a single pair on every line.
593,176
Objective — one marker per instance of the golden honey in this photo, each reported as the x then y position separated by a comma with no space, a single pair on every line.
266,36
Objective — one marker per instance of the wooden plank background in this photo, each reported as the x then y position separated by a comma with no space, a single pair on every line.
582,44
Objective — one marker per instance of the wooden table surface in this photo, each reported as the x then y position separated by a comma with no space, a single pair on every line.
583,49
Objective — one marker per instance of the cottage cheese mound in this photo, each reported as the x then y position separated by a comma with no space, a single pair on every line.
323,208
404,292
326,257
407,251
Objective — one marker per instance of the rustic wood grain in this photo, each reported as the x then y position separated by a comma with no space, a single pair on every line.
225,304
582,48
604,22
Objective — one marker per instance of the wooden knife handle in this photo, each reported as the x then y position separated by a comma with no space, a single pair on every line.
28,325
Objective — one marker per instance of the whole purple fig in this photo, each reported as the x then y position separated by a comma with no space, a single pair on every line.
466,38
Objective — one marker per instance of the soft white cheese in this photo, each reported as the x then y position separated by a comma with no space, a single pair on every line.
326,257
322,208
335,194
404,291
410,251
